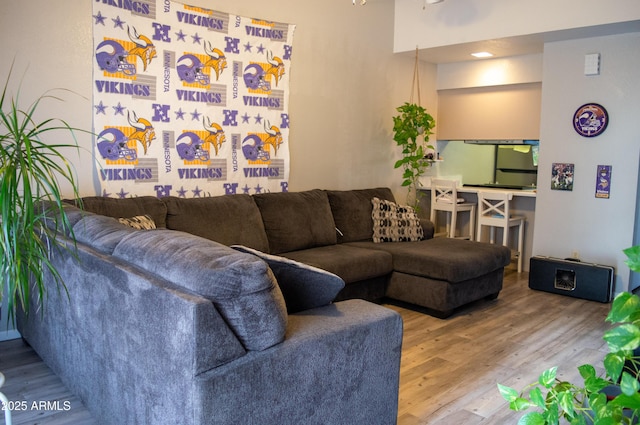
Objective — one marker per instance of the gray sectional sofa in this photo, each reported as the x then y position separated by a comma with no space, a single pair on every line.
245,309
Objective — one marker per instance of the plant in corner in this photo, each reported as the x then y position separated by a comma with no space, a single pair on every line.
601,400
412,128
32,171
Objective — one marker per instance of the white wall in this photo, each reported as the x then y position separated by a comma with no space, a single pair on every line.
345,81
599,229
462,21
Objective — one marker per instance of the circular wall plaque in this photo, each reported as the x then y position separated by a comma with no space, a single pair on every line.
590,120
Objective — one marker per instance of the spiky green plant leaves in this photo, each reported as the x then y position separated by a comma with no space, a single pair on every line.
32,170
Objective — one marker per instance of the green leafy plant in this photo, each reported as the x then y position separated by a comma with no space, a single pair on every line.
601,400
412,128
31,171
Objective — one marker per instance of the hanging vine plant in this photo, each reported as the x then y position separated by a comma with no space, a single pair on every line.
412,128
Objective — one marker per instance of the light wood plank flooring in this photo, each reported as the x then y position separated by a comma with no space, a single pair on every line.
449,367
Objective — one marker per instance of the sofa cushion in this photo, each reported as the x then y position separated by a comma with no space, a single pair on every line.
296,220
101,232
447,259
48,212
304,287
228,219
394,223
352,212
127,207
352,264
241,286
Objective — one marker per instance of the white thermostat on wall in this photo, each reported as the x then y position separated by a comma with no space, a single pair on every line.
592,64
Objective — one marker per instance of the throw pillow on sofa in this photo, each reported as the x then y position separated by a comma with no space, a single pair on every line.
394,223
140,222
303,287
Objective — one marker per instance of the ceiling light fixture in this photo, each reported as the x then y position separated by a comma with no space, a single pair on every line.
426,2
362,2
482,54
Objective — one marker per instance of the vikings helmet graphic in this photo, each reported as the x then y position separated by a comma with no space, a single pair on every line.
191,150
113,145
112,57
190,70
254,78
253,149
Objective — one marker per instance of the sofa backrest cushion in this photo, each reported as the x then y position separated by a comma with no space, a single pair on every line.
128,207
296,220
227,219
304,287
352,212
48,211
101,232
241,286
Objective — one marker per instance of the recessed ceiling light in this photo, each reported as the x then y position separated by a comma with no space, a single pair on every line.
482,54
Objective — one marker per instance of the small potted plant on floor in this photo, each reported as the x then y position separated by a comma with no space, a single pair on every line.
612,399
412,128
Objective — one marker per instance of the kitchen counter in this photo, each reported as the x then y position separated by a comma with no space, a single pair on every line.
529,193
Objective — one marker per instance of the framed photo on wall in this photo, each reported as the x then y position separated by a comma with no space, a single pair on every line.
562,176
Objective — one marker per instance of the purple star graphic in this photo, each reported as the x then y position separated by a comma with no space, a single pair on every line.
245,118
258,119
181,36
182,193
261,48
246,189
247,47
258,189
196,192
99,18
118,110
196,38
117,23
122,194
180,114
195,115
100,108
105,193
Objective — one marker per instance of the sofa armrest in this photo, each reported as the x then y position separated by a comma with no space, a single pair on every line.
427,227
121,336
338,364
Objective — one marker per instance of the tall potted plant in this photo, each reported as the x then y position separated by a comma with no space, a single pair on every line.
412,128
32,170
612,399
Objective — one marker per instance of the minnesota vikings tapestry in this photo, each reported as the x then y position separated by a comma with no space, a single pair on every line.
188,101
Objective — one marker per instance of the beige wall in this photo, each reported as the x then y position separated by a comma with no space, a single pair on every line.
568,221
345,81
504,112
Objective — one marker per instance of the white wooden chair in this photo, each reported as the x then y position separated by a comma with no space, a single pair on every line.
444,197
493,211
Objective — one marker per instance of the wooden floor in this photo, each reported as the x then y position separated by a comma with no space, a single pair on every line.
449,367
